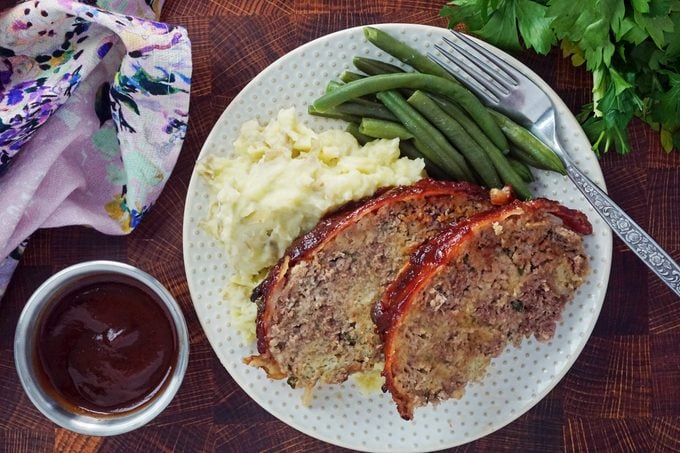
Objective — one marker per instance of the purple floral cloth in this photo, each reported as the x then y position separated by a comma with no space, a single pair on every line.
94,101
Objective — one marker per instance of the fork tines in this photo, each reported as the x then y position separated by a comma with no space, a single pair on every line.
480,65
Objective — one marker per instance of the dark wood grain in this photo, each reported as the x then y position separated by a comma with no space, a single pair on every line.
623,393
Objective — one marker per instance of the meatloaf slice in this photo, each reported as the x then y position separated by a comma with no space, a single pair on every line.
314,308
495,278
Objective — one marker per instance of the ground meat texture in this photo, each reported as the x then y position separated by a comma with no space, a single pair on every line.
319,328
495,279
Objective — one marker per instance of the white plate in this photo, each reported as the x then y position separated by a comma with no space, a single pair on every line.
342,415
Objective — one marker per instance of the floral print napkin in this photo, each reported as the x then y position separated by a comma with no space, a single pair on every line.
94,101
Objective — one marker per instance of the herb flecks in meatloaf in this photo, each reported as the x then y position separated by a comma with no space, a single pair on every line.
491,280
314,321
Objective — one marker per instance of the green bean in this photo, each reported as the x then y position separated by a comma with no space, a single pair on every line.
374,67
443,154
353,128
456,134
522,169
500,161
371,110
333,85
426,82
504,168
470,126
367,102
407,149
405,53
497,157
412,149
527,142
384,129
349,76
508,174
333,113
524,157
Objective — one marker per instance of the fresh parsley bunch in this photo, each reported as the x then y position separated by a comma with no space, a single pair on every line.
631,47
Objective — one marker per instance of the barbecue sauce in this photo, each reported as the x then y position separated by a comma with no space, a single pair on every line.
107,347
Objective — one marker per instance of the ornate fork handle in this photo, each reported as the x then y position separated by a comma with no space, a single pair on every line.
630,232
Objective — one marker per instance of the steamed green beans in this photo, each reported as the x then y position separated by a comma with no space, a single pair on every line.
416,81
353,128
378,128
349,76
366,109
374,67
522,169
508,174
405,53
414,149
457,136
527,142
503,167
444,155
333,113
470,126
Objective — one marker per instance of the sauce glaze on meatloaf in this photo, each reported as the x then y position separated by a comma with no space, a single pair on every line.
491,280
314,308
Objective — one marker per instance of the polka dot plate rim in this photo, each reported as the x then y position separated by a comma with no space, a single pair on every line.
342,415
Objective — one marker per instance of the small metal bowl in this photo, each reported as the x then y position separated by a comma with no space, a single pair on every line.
40,304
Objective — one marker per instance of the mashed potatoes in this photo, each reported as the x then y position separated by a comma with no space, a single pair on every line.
277,184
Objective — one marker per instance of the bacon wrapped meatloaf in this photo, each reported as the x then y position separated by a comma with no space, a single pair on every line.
314,308
493,279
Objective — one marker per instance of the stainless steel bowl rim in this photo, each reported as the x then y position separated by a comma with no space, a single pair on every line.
108,425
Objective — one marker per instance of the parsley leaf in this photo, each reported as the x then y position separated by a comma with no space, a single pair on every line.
536,32
501,26
472,13
673,39
618,105
669,101
503,21
654,26
641,5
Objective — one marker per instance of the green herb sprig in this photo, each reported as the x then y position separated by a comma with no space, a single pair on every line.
631,47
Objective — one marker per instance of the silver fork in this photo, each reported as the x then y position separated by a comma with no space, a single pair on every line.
510,92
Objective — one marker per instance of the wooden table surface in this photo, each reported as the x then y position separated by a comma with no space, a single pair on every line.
622,394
